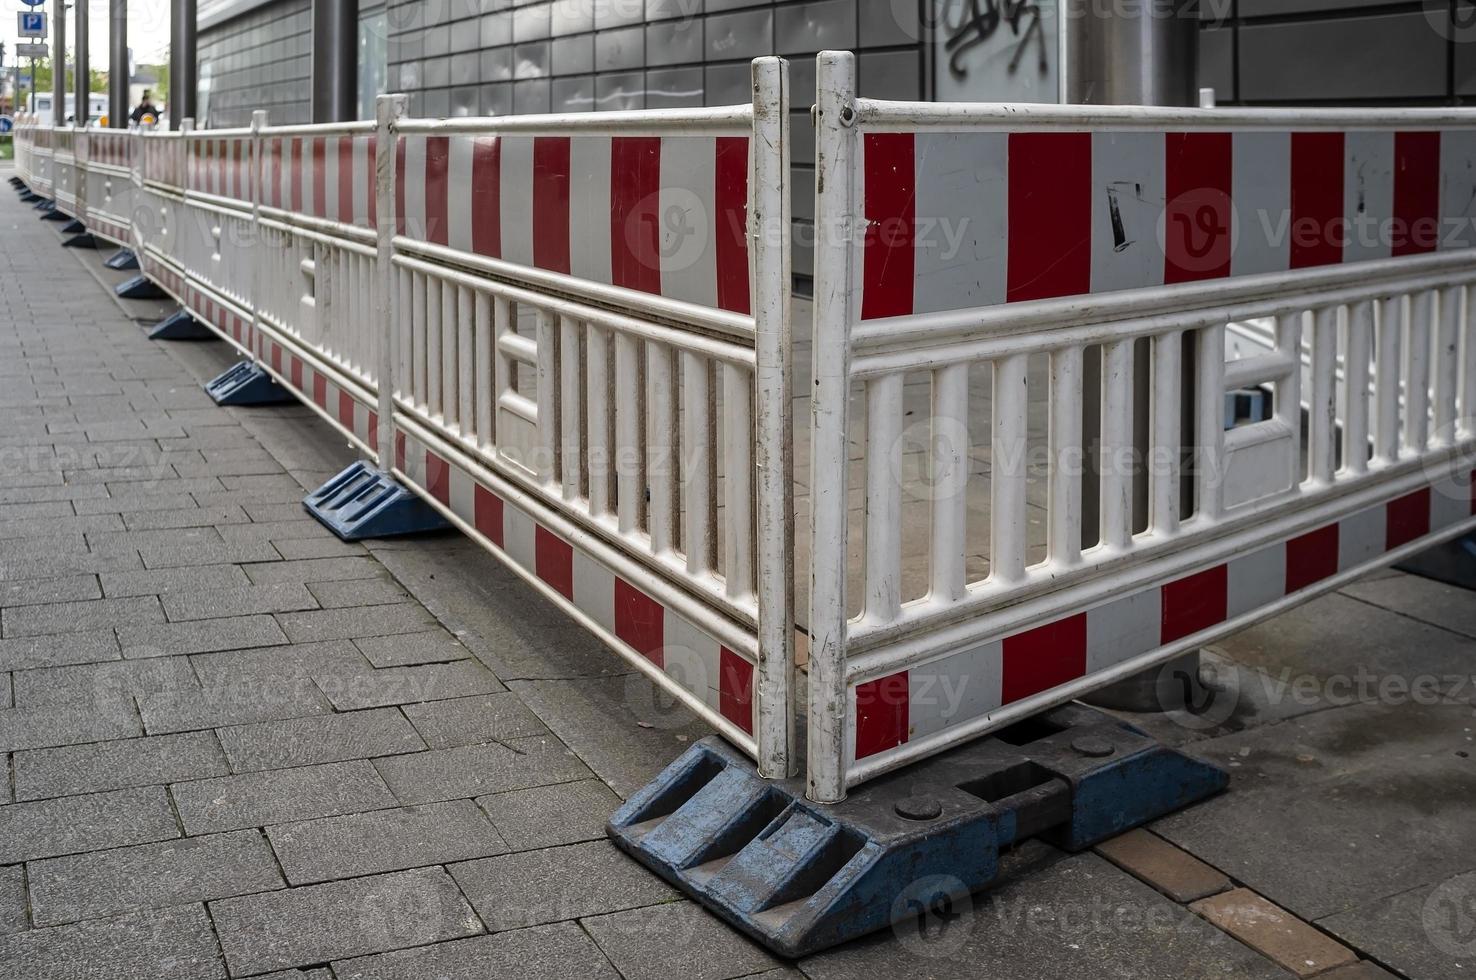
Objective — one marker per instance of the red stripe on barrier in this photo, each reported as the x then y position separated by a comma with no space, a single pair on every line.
1050,216
1408,519
320,176
486,202
320,391
438,478
1197,220
276,359
400,178
372,181
400,451
487,514
272,173
891,225
373,437
635,198
346,182
640,622
1195,603
735,689
437,173
1045,657
1311,558
295,167
295,373
730,198
1317,221
551,203
553,561
1416,193
882,717
346,410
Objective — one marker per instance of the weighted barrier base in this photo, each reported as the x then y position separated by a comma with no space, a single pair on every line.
1453,563
30,197
74,227
139,287
17,182
800,877
122,260
84,240
362,502
246,384
181,326
55,213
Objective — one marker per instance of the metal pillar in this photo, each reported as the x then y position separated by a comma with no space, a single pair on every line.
335,72
58,64
82,83
183,80
1142,54
118,64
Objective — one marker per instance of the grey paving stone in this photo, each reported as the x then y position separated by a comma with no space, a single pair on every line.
53,565
620,726
281,796
74,617
7,695
384,840
640,943
1075,918
110,681
204,636
554,952
43,727
56,650
1342,788
57,526
316,740
13,900
299,660
243,601
300,549
306,926
26,495
301,527
547,816
164,944
372,688
206,553
472,720
130,502
34,592
478,770
1419,598
346,624
49,828
100,766
513,891
244,701
407,649
1419,933
55,508
168,581
176,872
357,592
294,975
169,538
314,570
188,517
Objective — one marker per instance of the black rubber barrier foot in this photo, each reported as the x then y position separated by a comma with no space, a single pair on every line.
800,877
55,214
74,228
47,204
139,287
181,326
84,240
122,260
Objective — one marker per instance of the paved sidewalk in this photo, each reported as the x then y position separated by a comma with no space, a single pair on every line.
237,747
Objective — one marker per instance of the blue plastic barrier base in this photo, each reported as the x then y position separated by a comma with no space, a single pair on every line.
84,240
181,326
139,287
800,877
122,260
46,204
55,213
1453,563
246,384
30,197
362,502
17,182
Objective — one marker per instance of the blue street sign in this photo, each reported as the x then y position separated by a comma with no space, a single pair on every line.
32,24
33,3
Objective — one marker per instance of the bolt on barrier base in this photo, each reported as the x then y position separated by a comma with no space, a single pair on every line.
180,326
122,260
800,877
362,502
246,384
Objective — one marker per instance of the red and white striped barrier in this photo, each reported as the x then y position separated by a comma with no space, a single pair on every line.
329,177
660,215
957,220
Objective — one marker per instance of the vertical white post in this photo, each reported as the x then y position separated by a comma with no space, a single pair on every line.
1289,391
1466,326
950,481
571,409
548,398
1165,446
772,277
1322,407
883,492
1210,437
1009,471
1447,365
1117,444
835,309
699,465
1068,457
661,446
388,111
258,123
1417,363
1355,387
1386,429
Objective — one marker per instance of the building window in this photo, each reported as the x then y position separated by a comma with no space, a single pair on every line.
373,60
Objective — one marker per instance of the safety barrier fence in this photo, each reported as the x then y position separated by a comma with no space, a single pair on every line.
1027,320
